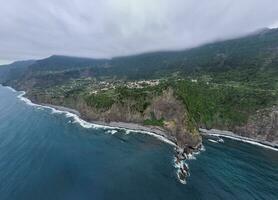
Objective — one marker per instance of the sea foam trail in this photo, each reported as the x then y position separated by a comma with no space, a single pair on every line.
85,124
10,88
241,139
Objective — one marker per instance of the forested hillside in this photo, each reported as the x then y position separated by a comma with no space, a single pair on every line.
248,59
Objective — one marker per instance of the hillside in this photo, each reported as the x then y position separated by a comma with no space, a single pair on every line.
14,70
245,59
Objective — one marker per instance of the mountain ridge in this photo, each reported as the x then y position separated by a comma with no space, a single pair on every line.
229,85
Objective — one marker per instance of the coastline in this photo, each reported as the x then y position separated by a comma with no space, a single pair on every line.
135,127
62,108
132,127
233,136
127,126
112,126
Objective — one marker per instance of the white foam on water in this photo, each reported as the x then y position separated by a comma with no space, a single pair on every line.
203,148
177,164
196,153
186,165
180,164
10,88
214,141
180,180
191,156
246,140
112,132
160,137
221,140
233,136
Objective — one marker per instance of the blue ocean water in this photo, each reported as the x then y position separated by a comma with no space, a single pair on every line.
44,156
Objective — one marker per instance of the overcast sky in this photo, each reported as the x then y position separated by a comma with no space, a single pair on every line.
107,28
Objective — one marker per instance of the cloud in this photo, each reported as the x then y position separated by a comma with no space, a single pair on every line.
107,28
275,25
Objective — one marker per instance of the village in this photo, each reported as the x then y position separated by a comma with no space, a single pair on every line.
108,85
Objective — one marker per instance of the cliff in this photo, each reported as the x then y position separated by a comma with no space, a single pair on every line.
163,111
262,126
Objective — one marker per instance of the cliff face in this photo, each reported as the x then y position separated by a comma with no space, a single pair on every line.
172,113
165,107
262,126
176,119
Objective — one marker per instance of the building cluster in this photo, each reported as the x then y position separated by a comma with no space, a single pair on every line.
108,85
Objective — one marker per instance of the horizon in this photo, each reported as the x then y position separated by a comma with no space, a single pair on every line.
8,62
106,29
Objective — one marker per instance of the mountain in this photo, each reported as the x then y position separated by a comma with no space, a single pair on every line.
65,63
230,85
251,55
245,59
14,70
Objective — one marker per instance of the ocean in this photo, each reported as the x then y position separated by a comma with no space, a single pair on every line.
49,155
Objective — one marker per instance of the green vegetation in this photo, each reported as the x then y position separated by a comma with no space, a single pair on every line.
208,102
102,100
154,122
221,84
220,105
138,98
248,59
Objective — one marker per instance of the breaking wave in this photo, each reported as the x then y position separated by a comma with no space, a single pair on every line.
245,140
10,88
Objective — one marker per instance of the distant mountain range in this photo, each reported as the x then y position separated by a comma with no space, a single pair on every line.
253,56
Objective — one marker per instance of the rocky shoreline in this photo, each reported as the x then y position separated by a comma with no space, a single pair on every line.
181,156
138,127
161,132
151,130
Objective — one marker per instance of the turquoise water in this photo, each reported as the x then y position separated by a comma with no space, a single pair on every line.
44,155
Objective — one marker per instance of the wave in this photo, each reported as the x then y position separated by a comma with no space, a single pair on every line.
85,124
112,132
191,156
244,139
203,148
182,181
181,166
180,163
214,141
10,88
27,101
